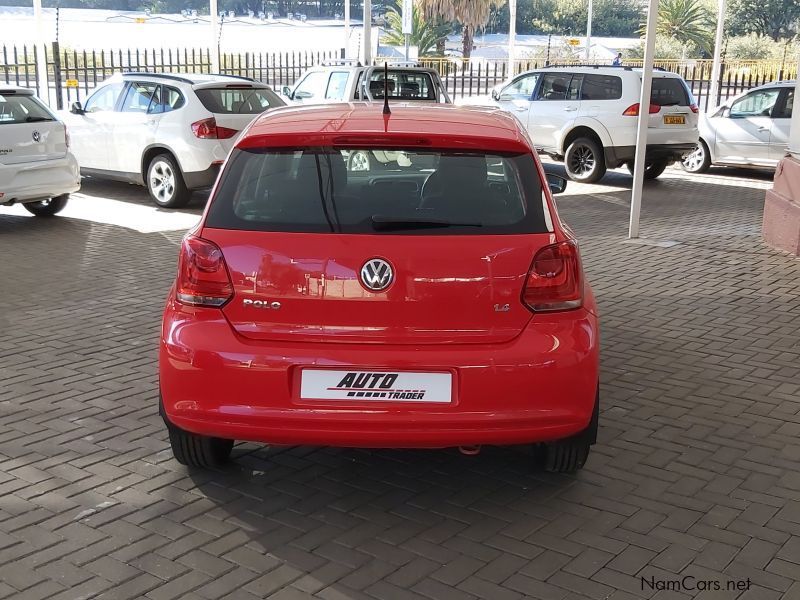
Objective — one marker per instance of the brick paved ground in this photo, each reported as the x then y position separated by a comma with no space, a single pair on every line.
696,472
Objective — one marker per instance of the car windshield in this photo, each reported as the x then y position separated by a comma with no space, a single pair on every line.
238,100
22,108
369,190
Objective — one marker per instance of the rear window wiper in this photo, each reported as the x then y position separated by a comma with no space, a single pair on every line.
37,119
386,223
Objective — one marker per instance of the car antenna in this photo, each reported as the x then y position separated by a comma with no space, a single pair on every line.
386,109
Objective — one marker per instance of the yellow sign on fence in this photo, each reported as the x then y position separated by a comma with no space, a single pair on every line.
141,20
574,42
72,83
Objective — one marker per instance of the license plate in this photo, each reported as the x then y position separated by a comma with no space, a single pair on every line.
375,386
674,120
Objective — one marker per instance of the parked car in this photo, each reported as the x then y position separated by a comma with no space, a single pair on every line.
406,308
585,116
37,168
346,81
751,130
167,132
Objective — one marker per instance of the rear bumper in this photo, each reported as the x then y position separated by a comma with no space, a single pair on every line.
198,180
616,156
541,386
38,180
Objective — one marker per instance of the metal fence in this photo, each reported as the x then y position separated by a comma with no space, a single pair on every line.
73,74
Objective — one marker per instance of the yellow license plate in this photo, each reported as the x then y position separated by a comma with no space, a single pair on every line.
674,120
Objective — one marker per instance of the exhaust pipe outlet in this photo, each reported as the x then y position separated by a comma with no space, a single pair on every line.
470,450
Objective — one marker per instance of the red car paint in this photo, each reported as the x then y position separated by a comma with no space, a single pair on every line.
523,369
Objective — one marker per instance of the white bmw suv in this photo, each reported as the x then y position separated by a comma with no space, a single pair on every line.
170,133
36,166
586,116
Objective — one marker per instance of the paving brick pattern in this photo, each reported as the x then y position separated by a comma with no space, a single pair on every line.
696,472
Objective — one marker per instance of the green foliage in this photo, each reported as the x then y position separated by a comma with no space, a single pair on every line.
689,22
774,18
666,47
426,34
760,47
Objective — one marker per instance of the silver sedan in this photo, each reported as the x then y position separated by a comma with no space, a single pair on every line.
751,130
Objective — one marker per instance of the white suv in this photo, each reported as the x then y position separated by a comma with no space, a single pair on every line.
586,116
168,132
36,166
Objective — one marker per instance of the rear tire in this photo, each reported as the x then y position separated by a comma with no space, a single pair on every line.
570,454
47,207
651,169
699,161
201,451
165,183
585,161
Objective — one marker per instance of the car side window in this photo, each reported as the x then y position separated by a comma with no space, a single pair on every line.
574,89
601,87
104,99
522,88
166,99
313,86
783,110
139,97
337,85
755,104
554,86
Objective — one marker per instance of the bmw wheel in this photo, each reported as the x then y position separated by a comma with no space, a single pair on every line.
359,161
584,161
698,161
47,207
165,182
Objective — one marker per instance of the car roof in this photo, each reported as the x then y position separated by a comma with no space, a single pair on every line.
10,88
432,125
604,69
188,78
784,83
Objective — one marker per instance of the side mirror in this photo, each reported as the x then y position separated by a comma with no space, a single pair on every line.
556,183
77,109
287,91
495,94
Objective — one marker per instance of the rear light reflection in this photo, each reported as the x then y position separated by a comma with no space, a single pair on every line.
555,279
694,108
207,129
203,278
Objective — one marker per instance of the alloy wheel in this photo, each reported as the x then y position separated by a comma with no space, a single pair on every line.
695,160
581,162
162,181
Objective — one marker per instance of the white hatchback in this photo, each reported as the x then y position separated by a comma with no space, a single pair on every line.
170,133
36,166
586,116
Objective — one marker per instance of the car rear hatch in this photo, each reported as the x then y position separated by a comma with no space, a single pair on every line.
459,241
672,106
28,130
233,105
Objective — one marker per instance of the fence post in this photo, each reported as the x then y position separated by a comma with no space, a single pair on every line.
718,100
57,75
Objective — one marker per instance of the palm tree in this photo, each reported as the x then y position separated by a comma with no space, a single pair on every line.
426,33
687,21
472,14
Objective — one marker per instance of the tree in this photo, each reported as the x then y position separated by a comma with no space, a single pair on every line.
687,21
776,18
666,48
471,14
426,33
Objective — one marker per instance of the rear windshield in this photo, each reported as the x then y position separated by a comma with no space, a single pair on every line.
669,91
19,108
240,101
379,191
408,85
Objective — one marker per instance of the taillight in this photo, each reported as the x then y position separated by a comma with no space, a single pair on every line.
555,279
207,129
203,278
633,110
694,108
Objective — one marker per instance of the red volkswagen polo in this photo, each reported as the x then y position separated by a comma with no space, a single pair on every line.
436,301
